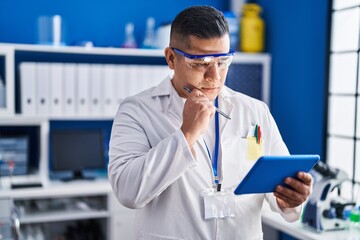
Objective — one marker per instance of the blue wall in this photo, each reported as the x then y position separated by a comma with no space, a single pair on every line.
296,36
102,22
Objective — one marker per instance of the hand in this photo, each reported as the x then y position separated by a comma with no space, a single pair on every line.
290,198
196,115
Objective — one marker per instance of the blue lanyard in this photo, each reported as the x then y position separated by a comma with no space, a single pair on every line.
216,148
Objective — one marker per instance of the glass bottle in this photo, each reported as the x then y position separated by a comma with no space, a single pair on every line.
129,36
149,40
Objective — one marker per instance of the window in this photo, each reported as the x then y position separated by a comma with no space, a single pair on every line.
343,126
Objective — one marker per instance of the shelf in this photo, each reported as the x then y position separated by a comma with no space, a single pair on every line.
65,215
60,189
110,51
18,119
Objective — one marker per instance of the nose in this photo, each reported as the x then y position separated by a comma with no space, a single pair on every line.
213,73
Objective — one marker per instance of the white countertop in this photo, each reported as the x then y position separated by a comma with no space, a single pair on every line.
298,230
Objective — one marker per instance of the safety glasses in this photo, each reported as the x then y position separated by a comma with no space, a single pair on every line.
206,61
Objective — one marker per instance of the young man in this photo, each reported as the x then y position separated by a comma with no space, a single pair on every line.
178,161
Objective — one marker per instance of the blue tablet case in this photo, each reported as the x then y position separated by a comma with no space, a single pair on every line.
270,171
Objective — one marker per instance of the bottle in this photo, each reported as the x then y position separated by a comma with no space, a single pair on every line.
129,36
251,29
355,217
149,40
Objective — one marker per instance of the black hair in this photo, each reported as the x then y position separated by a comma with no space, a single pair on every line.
203,22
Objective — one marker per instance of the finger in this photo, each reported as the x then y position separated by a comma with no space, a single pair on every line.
306,178
291,194
289,203
297,185
197,93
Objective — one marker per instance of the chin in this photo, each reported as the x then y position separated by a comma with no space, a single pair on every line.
211,97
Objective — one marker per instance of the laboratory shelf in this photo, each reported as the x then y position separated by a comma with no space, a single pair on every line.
58,216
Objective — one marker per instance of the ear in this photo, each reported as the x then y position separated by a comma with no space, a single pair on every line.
170,56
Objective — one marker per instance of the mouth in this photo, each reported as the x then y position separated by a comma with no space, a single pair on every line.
209,89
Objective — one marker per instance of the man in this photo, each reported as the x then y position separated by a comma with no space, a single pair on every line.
178,161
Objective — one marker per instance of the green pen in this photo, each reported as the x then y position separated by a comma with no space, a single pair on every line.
256,132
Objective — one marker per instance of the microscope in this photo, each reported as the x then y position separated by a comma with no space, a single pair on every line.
322,213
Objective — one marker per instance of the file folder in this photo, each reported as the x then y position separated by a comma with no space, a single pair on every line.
43,88
57,89
69,89
83,82
121,86
109,98
28,88
96,92
131,79
270,171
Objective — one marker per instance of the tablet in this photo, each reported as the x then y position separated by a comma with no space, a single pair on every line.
270,171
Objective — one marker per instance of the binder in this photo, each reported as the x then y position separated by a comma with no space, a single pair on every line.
28,88
161,73
140,80
131,75
43,88
57,89
121,87
96,92
109,97
82,89
69,89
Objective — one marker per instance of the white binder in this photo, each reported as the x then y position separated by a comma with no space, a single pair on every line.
142,77
109,97
69,89
43,88
96,92
132,79
121,89
83,89
161,73
28,88
57,89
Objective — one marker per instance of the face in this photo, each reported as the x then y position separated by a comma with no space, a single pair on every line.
210,80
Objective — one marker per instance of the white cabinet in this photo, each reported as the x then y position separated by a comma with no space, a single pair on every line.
60,210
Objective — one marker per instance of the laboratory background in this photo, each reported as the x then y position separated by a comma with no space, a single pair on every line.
300,57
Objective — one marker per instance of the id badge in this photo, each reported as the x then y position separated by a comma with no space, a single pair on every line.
219,204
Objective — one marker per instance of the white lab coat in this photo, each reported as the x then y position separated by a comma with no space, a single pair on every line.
152,169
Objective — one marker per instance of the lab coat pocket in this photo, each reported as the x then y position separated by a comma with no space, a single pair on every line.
245,164
234,151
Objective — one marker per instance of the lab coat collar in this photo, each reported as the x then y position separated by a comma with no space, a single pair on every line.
175,104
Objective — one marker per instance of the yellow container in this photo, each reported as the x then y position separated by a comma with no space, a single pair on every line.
251,29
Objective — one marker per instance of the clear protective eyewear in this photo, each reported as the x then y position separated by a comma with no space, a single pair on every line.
206,61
